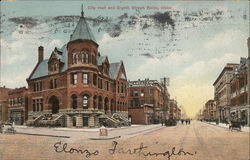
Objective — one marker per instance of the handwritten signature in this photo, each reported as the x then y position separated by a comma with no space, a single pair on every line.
61,147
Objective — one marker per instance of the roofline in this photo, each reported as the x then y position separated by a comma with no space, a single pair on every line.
97,45
37,64
223,71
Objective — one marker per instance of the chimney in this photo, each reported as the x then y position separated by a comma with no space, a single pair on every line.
40,54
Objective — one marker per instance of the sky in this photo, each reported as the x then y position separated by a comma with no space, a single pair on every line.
187,41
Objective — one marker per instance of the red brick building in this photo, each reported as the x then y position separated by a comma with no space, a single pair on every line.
146,101
173,109
210,110
18,105
239,108
76,86
4,104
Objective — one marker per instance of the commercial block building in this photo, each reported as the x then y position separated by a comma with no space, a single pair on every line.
4,104
146,101
18,105
210,110
240,84
222,93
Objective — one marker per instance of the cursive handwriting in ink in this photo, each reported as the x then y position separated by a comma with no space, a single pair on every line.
59,148
138,150
141,151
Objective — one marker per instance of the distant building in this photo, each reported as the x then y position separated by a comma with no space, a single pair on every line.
4,104
178,113
18,105
222,92
146,101
173,109
210,110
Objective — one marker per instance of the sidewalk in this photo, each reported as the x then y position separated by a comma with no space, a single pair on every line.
223,125
88,133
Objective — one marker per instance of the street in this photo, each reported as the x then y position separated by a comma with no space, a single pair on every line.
197,141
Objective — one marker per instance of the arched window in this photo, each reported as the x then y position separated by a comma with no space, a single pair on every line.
85,56
74,58
95,101
53,66
85,99
74,101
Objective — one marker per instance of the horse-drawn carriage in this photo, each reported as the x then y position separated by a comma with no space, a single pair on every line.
235,125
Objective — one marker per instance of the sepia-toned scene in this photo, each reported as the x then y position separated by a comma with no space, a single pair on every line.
124,80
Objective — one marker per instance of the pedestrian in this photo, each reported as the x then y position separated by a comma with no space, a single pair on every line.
182,120
186,121
189,121
161,122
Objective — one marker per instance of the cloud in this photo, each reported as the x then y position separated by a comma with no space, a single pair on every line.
225,39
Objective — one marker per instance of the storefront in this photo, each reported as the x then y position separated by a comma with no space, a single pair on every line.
16,116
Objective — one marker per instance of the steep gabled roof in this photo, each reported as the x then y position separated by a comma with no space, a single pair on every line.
82,31
100,60
41,70
114,70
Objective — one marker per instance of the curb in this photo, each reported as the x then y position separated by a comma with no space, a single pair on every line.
105,138
48,135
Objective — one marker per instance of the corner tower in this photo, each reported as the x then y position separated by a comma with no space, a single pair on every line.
82,47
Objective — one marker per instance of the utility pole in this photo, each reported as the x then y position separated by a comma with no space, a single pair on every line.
164,83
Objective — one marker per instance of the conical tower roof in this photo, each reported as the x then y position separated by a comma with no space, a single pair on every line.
82,30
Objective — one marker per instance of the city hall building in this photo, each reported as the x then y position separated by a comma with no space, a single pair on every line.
77,86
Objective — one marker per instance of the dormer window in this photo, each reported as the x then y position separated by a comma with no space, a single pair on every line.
74,58
54,67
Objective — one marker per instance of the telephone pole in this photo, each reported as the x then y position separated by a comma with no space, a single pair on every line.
164,82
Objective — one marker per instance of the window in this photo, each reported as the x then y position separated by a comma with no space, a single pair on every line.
85,101
85,57
105,68
142,102
107,85
151,92
131,103
74,58
131,93
37,86
135,93
34,105
136,103
100,83
95,101
118,87
151,101
37,105
53,66
41,104
73,78
95,79
122,88
74,101
53,83
85,78
142,93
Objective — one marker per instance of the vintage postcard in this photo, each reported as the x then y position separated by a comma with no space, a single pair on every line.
127,80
